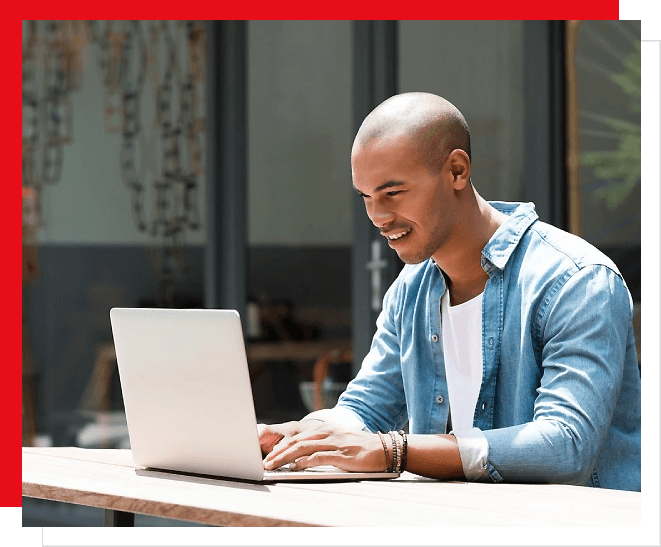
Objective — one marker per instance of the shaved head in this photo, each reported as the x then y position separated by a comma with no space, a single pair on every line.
434,126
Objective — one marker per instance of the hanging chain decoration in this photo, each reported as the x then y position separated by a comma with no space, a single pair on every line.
31,115
175,181
62,71
174,151
180,143
128,52
52,70
125,59
133,63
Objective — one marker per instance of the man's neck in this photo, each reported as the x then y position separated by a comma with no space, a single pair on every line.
461,261
467,291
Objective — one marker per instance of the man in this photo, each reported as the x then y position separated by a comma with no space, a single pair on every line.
505,343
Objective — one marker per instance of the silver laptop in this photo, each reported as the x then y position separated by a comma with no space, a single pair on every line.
188,399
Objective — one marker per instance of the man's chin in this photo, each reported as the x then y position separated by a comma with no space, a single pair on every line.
406,259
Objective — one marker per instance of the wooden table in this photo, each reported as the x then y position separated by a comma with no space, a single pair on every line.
109,479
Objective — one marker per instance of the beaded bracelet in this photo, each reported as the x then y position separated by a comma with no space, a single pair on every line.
404,449
385,449
400,453
396,455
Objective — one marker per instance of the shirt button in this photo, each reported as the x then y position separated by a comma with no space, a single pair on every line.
439,399
434,337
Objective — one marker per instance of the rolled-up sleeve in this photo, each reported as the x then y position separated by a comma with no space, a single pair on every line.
473,451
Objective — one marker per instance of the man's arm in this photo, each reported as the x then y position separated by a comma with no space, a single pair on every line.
583,331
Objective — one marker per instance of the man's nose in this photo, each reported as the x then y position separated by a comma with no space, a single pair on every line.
379,215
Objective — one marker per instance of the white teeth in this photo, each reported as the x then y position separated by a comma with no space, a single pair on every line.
397,236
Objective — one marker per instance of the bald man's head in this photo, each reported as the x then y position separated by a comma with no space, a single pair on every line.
434,126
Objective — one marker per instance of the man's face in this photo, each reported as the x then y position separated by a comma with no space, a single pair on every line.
412,207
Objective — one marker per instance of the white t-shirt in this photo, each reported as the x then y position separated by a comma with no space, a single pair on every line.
462,351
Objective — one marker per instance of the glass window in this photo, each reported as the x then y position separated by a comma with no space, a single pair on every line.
604,143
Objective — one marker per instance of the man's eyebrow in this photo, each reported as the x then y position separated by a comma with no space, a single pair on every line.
384,186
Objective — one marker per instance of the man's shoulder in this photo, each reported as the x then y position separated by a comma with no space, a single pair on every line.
559,246
524,235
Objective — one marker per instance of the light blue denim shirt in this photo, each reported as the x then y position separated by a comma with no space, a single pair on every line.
560,394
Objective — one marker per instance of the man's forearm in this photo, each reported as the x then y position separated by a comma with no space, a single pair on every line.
435,456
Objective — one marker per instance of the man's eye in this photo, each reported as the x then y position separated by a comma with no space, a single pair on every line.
393,193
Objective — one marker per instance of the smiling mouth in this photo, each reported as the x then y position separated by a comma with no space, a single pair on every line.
397,235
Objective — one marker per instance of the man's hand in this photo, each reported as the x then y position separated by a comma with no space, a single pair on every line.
270,435
310,443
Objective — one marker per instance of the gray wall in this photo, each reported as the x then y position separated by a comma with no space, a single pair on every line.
299,131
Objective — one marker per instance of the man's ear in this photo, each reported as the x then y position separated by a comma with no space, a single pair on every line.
460,167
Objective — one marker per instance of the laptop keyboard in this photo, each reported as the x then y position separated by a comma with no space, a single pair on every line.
284,469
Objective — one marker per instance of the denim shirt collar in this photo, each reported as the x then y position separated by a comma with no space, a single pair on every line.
500,247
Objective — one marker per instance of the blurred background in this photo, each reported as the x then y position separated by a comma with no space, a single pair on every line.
206,164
